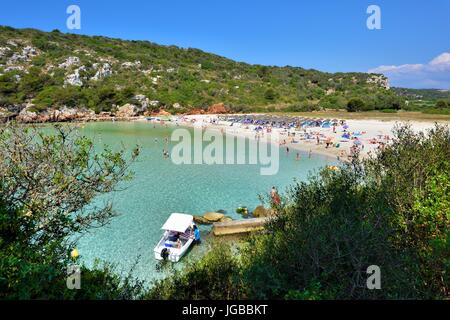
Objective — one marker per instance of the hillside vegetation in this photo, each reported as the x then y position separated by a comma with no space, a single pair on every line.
53,70
431,101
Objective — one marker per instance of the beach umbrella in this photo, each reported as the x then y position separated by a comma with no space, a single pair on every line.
357,142
345,126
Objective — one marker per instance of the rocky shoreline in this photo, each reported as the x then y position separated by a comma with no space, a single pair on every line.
28,113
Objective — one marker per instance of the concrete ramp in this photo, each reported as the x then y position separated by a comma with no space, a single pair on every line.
238,226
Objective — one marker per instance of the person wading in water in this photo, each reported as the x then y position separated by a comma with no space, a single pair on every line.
275,197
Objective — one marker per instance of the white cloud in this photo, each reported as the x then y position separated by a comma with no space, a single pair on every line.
435,74
443,59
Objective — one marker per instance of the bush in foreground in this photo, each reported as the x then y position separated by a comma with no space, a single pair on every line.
48,178
391,210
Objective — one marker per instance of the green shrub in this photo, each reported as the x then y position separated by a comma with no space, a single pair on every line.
215,276
441,104
355,105
391,210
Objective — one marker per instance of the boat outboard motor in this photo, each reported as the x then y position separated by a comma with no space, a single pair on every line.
165,253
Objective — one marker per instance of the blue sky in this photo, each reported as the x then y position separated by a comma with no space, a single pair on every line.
322,34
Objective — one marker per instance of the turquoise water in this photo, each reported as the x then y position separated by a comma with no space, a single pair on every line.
160,187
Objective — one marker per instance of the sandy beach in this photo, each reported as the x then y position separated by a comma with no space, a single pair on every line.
366,135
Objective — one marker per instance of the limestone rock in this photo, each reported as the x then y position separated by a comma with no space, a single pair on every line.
213,216
143,101
85,114
163,112
128,64
74,79
379,80
3,112
103,72
26,115
201,220
26,55
3,51
226,219
14,68
196,111
260,212
217,108
176,105
70,61
154,103
127,110
66,114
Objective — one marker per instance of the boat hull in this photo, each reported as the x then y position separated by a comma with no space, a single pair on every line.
174,254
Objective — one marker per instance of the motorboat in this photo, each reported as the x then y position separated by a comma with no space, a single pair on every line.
177,238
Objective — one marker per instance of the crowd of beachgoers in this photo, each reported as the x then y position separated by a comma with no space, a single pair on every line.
338,138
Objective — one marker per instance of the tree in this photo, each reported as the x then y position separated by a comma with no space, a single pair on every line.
441,104
270,94
355,105
262,71
48,177
34,81
8,85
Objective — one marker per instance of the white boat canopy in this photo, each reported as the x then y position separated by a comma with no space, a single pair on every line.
178,222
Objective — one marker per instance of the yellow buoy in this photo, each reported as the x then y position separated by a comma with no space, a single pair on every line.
74,254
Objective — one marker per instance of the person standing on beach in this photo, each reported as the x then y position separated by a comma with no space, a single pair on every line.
298,156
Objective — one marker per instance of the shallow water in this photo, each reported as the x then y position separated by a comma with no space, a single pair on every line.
160,187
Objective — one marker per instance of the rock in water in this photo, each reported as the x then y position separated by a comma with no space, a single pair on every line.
213,216
201,220
226,219
260,212
243,211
